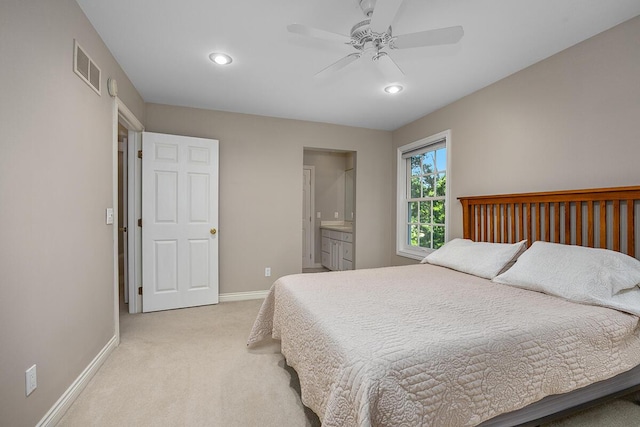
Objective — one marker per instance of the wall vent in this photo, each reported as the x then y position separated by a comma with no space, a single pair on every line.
85,68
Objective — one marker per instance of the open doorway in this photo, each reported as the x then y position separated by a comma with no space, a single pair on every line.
123,271
126,200
328,202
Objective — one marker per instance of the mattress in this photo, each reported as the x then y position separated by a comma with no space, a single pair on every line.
425,345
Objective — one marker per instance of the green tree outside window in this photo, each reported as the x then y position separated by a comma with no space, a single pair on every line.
426,206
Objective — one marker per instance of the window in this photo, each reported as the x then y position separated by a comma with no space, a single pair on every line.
423,195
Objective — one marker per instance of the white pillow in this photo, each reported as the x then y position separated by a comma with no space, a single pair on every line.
478,258
579,274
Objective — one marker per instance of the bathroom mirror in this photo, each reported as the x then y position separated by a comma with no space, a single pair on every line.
349,195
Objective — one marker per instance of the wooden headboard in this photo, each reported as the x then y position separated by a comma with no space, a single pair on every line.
602,217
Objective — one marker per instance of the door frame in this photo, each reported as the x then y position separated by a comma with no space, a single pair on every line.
125,201
312,209
134,211
131,122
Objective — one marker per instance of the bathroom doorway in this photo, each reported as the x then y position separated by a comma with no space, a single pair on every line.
328,198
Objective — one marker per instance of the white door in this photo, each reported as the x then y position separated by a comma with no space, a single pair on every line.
179,221
124,225
134,208
307,229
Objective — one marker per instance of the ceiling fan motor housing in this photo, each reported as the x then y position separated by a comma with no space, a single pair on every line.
361,34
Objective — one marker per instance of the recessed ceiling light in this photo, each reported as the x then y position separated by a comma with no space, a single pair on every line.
220,58
393,89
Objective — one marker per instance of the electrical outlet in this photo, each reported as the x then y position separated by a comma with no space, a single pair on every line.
267,272
30,380
318,214
336,215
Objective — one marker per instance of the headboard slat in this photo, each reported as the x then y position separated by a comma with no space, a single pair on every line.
556,222
491,222
539,220
529,236
521,222
505,223
603,224
590,223
547,222
567,223
513,223
616,225
630,228
611,217
478,213
578,223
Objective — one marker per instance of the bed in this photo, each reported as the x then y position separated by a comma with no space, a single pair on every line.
431,344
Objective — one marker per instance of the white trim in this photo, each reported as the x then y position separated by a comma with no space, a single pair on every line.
124,149
116,224
312,209
401,232
57,411
133,231
243,296
131,122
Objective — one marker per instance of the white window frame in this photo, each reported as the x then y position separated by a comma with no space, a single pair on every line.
402,248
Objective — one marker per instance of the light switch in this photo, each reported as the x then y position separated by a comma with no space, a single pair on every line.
318,215
31,381
109,216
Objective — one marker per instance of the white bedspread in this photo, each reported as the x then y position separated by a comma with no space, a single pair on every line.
424,345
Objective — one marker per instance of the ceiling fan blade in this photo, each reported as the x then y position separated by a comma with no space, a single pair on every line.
338,65
317,33
383,14
388,67
447,35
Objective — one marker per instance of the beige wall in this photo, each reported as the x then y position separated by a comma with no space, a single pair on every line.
571,121
329,189
261,188
56,253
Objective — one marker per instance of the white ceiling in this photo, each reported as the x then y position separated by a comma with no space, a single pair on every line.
163,46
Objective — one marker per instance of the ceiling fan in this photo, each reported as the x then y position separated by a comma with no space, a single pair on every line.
373,37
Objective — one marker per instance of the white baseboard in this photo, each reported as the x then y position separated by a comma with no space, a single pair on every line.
56,412
243,296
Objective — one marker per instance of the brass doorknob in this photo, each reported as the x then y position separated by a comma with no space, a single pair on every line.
213,231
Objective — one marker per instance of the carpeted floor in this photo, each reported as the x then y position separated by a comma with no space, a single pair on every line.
191,367
618,413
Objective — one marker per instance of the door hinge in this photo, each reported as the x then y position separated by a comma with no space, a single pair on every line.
139,154
139,222
140,290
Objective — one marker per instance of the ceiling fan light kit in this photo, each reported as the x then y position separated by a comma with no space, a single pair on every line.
393,89
373,36
220,58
